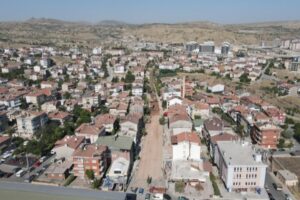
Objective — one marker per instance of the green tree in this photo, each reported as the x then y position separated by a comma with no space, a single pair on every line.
288,133
244,78
129,78
90,174
162,120
66,95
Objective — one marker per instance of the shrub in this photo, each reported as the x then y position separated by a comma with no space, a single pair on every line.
179,186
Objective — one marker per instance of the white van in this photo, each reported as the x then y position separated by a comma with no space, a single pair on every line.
20,173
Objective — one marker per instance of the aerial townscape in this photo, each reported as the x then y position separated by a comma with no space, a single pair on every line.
117,111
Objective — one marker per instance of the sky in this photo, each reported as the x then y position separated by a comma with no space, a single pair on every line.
152,11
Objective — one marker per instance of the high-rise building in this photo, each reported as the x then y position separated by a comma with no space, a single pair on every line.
191,46
225,48
207,47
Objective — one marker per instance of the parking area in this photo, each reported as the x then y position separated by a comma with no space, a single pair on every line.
22,168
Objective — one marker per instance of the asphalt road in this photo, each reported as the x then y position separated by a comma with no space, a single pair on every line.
26,191
278,195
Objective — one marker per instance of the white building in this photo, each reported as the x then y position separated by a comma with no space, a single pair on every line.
30,122
240,166
97,51
186,146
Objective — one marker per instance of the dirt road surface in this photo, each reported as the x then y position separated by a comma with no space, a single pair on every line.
151,160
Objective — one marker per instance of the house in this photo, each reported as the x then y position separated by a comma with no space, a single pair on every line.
186,146
119,171
212,127
65,147
119,146
60,117
218,88
180,122
50,106
30,122
90,157
91,132
200,109
67,87
119,69
240,171
131,126
174,101
90,100
58,170
137,106
137,91
106,120
266,135
288,178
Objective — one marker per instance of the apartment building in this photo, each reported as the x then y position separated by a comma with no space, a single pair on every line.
266,135
240,171
29,123
90,157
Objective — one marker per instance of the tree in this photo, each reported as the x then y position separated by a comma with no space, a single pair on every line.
164,104
116,126
162,120
281,143
244,78
288,134
96,183
67,95
90,174
149,180
129,78
115,79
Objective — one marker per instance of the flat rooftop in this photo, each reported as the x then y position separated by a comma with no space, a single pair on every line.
238,153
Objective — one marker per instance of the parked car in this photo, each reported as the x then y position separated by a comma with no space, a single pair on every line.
20,173
182,198
141,190
42,159
134,189
39,172
277,186
37,164
147,196
287,197
29,179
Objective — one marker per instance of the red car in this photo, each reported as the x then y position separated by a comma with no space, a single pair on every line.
37,164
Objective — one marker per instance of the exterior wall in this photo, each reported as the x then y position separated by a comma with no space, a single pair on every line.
28,125
266,138
97,164
240,177
186,151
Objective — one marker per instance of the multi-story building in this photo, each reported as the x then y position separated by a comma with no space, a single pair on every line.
29,123
207,47
225,48
90,157
191,46
240,171
3,121
90,100
266,135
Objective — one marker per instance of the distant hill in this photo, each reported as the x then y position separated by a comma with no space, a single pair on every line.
43,31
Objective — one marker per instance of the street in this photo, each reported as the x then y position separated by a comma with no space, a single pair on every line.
27,191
